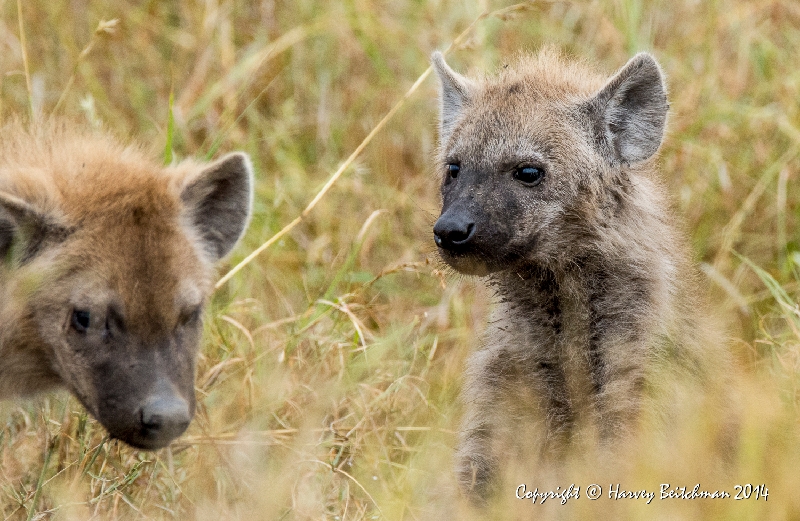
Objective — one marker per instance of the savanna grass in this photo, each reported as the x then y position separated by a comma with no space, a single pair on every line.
328,382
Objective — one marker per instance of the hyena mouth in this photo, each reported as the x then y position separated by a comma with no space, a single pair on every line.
456,244
467,263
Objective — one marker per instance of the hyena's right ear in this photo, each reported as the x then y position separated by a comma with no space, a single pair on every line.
630,112
21,223
219,199
454,95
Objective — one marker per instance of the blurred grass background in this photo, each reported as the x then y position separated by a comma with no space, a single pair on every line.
331,365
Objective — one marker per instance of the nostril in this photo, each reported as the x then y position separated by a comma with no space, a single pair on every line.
165,417
451,232
150,421
463,236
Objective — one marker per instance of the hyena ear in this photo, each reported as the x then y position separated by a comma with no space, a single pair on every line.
21,223
454,95
219,200
630,112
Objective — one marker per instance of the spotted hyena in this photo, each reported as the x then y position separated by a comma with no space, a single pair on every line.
549,191
107,259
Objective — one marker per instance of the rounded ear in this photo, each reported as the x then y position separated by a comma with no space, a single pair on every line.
21,223
629,114
219,200
455,93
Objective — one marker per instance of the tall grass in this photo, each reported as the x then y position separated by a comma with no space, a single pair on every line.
329,375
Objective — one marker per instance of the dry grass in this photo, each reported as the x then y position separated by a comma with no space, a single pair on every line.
328,381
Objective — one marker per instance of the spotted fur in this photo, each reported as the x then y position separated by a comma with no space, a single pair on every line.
594,285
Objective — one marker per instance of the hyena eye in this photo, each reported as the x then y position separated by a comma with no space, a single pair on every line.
190,317
529,175
80,320
453,170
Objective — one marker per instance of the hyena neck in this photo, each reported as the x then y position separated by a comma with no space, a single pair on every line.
584,328
581,282
530,292
593,303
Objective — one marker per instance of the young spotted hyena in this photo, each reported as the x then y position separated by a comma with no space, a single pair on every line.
106,260
549,191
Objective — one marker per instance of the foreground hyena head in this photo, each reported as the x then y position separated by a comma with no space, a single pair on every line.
106,265
529,157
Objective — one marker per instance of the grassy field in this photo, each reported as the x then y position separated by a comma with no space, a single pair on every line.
329,376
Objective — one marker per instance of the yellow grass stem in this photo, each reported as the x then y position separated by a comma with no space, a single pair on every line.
780,203
25,65
104,28
354,480
48,453
194,105
732,230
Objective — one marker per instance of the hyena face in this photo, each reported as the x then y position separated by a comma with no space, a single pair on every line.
524,157
111,283
124,327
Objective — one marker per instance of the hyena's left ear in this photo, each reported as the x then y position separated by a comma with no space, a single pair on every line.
21,223
455,94
630,112
219,200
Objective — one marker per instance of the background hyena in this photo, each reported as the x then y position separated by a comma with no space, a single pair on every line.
549,191
106,265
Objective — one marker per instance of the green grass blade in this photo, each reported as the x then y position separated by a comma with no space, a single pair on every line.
168,155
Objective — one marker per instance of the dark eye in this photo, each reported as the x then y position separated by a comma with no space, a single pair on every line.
453,170
80,320
529,175
190,317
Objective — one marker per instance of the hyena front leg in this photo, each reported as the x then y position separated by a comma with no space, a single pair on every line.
618,335
619,386
477,456
512,403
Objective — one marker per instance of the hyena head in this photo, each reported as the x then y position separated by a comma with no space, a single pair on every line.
111,271
529,157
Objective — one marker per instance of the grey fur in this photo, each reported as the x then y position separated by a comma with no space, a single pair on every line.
595,290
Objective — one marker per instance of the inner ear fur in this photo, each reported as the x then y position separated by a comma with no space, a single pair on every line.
219,199
630,111
455,93
7,228
20,222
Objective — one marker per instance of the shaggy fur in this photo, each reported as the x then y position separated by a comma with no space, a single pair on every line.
550,192
106,259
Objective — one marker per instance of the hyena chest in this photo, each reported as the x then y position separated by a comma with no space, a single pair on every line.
553,334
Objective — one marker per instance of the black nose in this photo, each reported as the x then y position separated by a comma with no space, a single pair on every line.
164,418
453,231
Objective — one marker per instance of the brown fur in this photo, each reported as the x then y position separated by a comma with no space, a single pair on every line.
88,225
597,305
